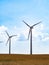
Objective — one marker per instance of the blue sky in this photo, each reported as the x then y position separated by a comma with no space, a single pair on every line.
12,12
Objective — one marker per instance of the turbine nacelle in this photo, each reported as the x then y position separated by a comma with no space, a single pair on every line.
1,41
31,27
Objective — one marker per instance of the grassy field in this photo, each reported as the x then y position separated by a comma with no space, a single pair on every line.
20,59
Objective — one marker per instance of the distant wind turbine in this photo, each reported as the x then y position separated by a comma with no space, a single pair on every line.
9,40
30,34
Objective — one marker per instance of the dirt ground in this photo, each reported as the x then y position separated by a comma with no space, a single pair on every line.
19,59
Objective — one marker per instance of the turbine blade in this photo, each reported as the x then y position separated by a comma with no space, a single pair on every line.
7,41
13,35
7,33
26,23
29,33
36,24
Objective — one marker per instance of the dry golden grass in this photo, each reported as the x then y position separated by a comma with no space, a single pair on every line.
19,59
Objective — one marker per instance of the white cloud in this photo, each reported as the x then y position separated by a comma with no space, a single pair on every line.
45,39
42,27
3,28
22,37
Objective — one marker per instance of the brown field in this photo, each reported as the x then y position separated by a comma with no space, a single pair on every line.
20,59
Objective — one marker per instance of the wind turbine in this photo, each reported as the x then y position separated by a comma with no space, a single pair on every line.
30,34
9,40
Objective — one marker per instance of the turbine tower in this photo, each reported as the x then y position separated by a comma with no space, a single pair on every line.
9,40
30,34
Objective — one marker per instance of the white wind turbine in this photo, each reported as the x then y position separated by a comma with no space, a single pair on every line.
30,34
9,40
